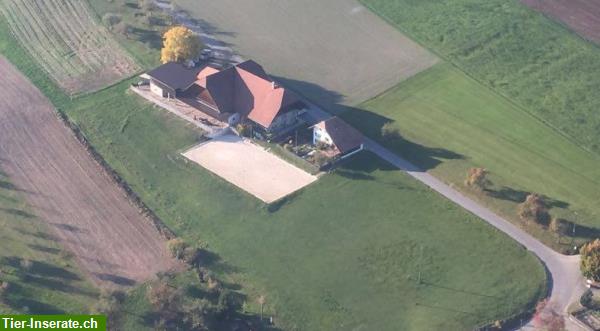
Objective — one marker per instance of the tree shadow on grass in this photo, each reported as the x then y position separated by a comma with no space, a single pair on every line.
39,268
118,280
16,212
519,196
38,234
44,249
149,37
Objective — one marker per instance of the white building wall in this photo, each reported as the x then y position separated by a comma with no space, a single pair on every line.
156,90
321,136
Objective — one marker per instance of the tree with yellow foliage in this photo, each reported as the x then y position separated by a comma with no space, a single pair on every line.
180,44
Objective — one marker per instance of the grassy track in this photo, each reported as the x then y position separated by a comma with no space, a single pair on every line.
52,284
515,51
455,123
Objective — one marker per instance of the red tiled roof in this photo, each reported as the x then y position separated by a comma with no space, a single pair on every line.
246,89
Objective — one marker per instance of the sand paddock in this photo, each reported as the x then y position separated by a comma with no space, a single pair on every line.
249,167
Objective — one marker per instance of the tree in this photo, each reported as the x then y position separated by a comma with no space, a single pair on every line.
166,303
177,247
180,44
196,315
109,305
477,178
534,209
590,260
390,132
226,304
111,19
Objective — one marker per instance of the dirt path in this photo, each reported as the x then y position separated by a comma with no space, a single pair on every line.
67,189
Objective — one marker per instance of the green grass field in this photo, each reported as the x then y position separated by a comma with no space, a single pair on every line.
343,254
452,123
515,51
51,283
356,234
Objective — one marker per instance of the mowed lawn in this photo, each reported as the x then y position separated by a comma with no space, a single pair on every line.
451,123
333,51
514,50
51,283
344,253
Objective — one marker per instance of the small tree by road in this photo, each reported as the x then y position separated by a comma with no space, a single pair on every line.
534,209
180,44
477,178
590,260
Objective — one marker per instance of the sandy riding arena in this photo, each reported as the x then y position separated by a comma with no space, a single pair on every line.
69,191
68,43
249,167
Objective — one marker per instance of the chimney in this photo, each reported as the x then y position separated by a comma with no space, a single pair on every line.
274,85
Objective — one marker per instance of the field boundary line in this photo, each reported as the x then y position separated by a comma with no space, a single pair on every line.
107,170
502,95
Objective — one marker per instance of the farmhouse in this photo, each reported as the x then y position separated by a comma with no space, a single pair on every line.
339,138
241,93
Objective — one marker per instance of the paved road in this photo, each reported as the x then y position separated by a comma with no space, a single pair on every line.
566,282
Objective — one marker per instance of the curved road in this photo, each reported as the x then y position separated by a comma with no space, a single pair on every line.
566,282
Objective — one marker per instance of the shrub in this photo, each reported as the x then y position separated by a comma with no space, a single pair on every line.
320,159
559,226
590,260
477,178
177,247
534,209
244,130
4,288
111,19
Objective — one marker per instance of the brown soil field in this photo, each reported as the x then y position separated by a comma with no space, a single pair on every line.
583,16
67,42
91,216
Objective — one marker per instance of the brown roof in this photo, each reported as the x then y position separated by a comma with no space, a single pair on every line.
344,137
175,75
247,89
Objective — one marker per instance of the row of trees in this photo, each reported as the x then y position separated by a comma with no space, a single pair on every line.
212,307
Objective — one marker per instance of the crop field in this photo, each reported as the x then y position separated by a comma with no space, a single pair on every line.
583,16
517,52
91,216
450,123
332,51
65,40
